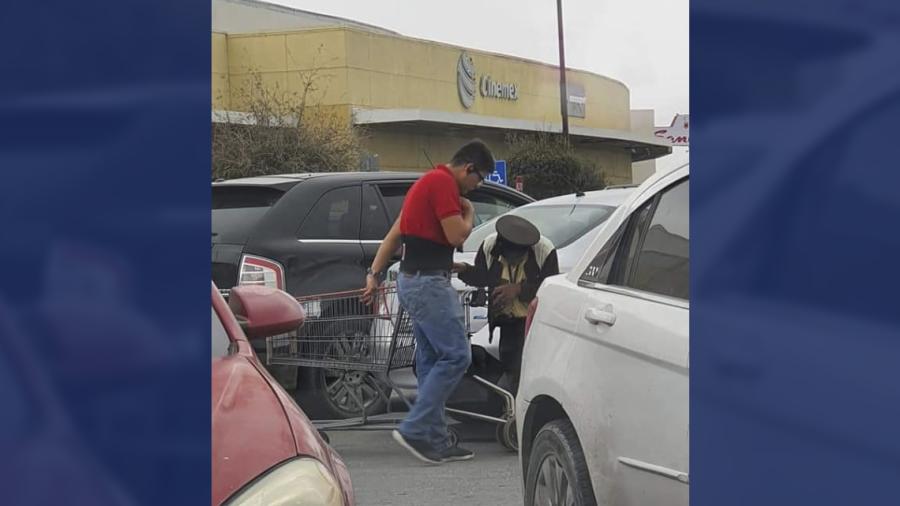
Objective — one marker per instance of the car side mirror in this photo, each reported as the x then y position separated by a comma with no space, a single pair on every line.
263,311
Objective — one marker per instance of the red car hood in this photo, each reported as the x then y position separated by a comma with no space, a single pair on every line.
250,431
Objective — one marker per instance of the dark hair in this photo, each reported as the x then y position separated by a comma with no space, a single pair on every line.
477,153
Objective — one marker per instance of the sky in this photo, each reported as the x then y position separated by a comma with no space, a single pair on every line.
643,43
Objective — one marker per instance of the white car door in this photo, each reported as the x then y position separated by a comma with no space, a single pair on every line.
632,369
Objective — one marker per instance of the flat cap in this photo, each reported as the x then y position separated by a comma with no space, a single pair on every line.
518,231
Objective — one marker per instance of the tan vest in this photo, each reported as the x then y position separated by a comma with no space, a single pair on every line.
542,250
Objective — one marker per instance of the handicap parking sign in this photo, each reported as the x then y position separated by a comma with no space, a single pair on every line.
499,174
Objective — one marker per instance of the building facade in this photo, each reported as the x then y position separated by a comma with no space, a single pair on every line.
417,100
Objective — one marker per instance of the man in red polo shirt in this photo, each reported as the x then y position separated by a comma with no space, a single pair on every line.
434,220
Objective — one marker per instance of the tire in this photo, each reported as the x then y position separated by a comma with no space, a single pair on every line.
323,398
329,394
506,435
557,472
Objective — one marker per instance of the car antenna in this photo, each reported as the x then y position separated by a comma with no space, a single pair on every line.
428,158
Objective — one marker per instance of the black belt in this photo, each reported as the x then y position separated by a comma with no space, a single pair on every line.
430,272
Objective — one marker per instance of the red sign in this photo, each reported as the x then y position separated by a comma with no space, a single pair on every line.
520,183
678,133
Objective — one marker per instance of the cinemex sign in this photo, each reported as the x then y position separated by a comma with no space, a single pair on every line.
487,86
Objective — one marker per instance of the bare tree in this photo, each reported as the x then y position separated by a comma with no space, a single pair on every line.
284,131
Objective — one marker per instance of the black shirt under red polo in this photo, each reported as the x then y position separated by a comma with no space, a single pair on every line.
434,197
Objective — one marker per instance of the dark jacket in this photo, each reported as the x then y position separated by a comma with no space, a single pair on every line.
541,263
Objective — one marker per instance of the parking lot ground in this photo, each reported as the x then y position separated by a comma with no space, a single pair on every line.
384,474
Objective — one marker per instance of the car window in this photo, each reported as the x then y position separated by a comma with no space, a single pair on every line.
662,261
221,344
562,224
608,266
335,216
375,223
393,196
488,206
237,209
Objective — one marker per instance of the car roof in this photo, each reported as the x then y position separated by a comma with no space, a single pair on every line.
607,197
280,179
286,181
302,176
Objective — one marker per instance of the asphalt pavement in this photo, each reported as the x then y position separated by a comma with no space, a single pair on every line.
384,474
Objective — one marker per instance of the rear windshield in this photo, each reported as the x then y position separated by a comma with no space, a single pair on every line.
562,224
236,209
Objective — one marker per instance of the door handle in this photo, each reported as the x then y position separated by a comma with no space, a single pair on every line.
596,316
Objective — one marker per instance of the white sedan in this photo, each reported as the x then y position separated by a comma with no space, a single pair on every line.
602,411
571,222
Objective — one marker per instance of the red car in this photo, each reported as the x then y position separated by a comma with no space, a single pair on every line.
264,449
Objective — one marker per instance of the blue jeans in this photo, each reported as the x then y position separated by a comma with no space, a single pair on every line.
442,353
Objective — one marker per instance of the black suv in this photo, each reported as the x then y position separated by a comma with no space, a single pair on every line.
317,233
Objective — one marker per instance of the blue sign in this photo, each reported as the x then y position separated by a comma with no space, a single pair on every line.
499,174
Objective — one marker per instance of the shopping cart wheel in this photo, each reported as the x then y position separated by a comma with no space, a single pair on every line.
506,435
453,435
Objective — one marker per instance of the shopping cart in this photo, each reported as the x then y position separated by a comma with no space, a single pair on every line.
506,422
341,332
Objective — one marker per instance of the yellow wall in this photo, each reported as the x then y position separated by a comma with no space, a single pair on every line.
402,73
220,88
370,70
286,62
361,69
404,150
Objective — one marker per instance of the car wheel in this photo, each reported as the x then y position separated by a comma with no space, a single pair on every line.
557,472
330,393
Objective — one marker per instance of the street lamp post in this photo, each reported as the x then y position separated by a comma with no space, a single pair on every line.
563,91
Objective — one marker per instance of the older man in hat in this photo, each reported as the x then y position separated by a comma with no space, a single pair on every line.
512,263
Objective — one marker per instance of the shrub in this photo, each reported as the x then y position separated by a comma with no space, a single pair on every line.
550,165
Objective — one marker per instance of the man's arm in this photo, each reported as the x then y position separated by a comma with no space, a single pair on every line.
458,227
475,275
389,245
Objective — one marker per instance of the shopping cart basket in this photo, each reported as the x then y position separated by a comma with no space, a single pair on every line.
341,332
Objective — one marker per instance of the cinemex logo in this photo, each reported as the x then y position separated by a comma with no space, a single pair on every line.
489,88
465,80
494,89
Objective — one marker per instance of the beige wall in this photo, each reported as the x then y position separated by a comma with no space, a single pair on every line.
642,122
285,61
220,89
404,150
401,73
356,68
381,71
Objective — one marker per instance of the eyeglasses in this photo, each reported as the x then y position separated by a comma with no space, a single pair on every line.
481,177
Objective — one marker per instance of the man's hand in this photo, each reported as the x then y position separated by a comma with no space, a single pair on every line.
371,290
467,208
505,294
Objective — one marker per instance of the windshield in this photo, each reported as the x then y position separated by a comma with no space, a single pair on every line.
562,224
236,209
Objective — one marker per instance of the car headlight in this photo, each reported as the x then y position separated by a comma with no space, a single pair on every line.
300,482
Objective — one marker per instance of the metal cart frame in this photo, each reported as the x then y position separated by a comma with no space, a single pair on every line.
342,332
